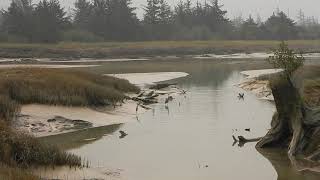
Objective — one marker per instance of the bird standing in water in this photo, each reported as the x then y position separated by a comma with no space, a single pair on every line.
122,134
241,96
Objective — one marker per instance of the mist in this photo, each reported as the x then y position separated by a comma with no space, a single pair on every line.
235,8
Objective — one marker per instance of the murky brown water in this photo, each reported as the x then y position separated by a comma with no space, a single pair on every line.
191,139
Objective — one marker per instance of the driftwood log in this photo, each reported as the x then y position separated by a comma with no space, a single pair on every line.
294,126
162,86
242,140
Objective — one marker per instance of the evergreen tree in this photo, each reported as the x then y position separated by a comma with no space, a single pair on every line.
50,19
165,13
152,11
82,13
158,19
250,29
99,17
215,17
184,14
123,22
281,27
18,20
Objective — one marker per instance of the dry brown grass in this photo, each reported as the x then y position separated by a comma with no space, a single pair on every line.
148,48
10,173
53,87
58,87
312,92
311,76
21,150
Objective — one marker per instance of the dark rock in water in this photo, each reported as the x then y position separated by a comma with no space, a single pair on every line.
248,129
162,86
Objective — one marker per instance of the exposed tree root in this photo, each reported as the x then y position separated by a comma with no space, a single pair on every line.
294,126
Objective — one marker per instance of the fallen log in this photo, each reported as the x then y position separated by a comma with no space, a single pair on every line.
242,140
162,86
145,101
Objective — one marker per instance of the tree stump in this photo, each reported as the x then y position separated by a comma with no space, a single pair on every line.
294,126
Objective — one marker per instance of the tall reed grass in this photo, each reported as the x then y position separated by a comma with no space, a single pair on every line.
58,87
52,87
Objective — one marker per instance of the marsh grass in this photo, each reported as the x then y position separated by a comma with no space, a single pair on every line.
311,89
312,92
17,149
147,48
11,173
53,87
310,76
58,87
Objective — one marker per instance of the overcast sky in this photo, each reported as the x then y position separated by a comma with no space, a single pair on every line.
236,7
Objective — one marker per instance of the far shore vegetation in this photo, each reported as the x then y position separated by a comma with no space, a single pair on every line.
111,29
46,21
52,87
74,50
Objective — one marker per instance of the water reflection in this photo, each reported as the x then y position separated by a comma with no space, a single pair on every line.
285,168
171,142
77,139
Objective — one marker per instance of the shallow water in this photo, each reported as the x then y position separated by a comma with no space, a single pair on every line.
191,139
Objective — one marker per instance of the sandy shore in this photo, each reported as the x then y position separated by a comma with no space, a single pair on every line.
44,120
258,56
142,79
257,86
92,60
258,73
8,66
92,173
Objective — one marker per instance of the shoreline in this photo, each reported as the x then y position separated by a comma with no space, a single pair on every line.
47,120
259,55
147,48
257,82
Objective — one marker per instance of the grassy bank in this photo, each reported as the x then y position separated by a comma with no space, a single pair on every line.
312,85
150,48
58,87
10,173
52,87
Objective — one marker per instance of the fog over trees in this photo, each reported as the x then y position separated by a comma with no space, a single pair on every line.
116,20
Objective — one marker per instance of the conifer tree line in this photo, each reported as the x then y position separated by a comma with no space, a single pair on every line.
116,20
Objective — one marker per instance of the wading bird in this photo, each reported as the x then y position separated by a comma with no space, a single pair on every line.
241,96
122,134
